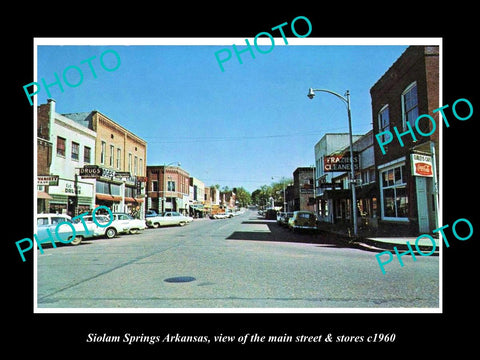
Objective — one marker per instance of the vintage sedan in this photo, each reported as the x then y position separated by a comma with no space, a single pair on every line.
107,227
133,226
302,220
168,218
51,221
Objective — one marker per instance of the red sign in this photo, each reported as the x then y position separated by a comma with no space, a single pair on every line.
422,165
423,169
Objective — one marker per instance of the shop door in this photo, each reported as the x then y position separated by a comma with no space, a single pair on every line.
422,205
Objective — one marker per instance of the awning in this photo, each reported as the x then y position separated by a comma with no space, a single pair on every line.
108,197
43,195
133,200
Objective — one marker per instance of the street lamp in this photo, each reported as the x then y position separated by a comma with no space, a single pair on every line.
346,99
165,182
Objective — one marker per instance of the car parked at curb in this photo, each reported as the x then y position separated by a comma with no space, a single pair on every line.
284,219
168,218
302,220
113,229
50,222
151,213
134,225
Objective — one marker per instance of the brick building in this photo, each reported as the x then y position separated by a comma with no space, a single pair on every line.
44,157
171,182
408,89
303,196
121,157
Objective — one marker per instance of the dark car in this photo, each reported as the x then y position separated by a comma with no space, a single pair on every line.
303,220
285,217
271,214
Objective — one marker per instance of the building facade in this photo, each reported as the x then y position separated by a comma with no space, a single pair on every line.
326,189
120,157
167,188
366,187
407,90
72,148
303,189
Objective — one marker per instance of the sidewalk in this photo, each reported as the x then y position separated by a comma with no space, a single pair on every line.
372,242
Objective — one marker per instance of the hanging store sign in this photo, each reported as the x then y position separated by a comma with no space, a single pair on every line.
422,165
51,180
90,171
339,162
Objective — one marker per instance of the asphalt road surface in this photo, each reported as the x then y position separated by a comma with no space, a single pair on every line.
228,264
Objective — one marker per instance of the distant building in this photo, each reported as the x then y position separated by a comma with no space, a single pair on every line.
303,197
169,183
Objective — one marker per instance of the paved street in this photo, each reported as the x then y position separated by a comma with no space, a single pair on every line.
243,262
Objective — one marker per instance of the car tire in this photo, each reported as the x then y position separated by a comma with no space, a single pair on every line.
182,223
134,231
77,241
110,233
156,225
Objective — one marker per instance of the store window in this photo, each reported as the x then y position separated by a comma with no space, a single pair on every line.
102,152
410,105
75,151
394,193
60,146
87,154
384,122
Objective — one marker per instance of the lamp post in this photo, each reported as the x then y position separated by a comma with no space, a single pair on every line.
165,182
346,99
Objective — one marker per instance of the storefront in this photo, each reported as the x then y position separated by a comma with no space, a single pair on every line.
71,197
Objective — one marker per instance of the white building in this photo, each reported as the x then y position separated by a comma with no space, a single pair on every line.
73,146
329,144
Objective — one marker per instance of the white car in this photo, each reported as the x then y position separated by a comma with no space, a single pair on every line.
168,218
110,231
134,225
222,215
50,222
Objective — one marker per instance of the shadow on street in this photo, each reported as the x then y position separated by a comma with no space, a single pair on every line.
279,233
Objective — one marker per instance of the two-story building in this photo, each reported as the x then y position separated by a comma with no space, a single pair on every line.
72,148
120,157
327,191
408,89
303,189
168,188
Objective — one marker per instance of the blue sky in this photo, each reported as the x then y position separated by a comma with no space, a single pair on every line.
240,127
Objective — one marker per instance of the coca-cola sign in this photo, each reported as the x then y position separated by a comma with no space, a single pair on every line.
422,165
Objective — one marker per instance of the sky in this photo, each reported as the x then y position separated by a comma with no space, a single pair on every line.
247,126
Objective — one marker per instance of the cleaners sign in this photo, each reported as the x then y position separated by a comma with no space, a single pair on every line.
422,165
339,162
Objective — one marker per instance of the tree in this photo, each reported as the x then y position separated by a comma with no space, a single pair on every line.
243,197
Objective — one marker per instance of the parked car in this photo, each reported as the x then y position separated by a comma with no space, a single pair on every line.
50,222
116,227
134,225
285,217
302,220
271,214
223,215
151,213
168,218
